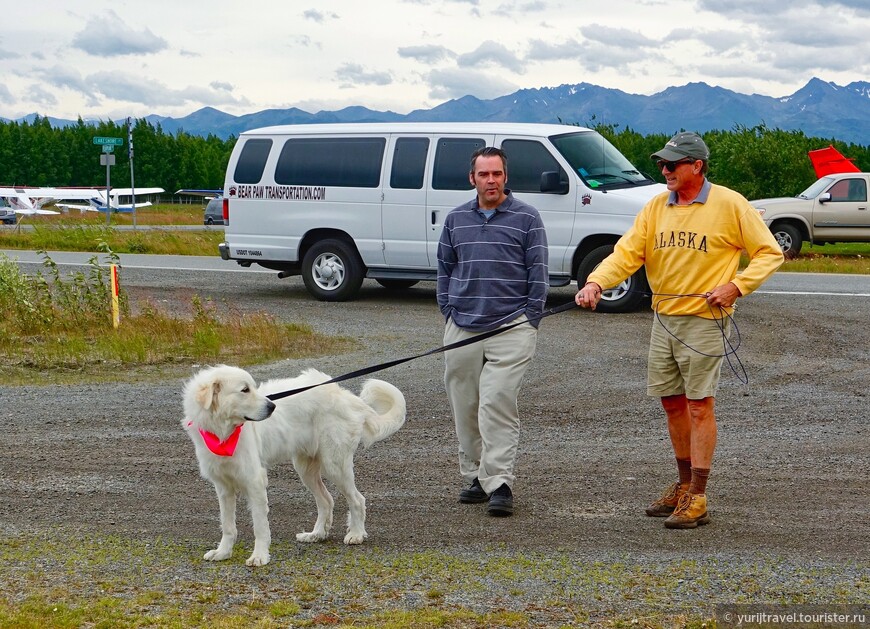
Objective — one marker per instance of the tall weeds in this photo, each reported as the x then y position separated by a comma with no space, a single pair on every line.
58,325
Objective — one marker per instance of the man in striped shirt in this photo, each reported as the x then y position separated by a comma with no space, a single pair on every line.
492,271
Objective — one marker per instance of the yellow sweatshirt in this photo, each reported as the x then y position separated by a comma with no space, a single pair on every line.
692,249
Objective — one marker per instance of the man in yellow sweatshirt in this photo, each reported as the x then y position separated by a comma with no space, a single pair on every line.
690,239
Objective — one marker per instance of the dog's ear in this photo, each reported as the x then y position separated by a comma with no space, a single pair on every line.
207,394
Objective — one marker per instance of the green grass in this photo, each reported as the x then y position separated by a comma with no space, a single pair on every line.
60,580
836,258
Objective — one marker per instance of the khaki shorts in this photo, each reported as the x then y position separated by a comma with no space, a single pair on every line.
685,355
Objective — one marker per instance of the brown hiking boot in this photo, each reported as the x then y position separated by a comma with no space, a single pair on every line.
690,512
664,506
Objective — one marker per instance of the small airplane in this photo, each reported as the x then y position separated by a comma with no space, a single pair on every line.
30,200
26,201
96,198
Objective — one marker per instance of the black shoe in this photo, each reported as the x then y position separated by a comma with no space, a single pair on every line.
501,502
473,494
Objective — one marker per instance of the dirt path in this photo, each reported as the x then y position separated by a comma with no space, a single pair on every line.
789,486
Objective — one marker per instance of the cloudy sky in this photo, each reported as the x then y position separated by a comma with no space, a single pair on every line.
99,59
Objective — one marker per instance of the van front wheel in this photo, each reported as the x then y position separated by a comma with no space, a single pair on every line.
627,296
332,271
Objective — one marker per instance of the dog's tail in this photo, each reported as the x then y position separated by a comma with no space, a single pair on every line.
389,406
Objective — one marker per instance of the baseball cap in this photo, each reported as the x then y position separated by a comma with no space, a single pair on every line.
682,145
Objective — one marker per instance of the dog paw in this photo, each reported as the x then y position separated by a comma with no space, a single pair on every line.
217,555
257,560
355,538
311,537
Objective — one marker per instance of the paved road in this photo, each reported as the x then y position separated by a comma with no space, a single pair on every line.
780,283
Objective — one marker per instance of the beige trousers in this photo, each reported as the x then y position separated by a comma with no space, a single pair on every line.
483,381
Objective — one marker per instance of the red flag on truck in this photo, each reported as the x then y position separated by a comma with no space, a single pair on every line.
830,161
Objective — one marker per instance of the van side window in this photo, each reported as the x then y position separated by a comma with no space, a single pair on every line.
252,161
342,162
453,162
527,159
409,163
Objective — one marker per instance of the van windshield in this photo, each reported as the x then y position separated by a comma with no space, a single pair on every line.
598,162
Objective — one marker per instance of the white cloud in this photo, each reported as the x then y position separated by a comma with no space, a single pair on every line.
429,54
5,95
491,54
170,58
318,16
456,83
108,36
355,74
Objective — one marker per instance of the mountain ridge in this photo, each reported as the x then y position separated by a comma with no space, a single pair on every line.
818,109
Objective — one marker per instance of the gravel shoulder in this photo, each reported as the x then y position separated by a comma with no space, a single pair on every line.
789,496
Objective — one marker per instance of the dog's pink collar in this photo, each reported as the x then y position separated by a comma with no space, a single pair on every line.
218,447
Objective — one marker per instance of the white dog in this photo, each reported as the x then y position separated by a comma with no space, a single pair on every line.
238,433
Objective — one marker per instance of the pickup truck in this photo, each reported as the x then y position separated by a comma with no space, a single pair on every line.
833,209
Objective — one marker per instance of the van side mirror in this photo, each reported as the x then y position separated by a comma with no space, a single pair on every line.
824,197
550,182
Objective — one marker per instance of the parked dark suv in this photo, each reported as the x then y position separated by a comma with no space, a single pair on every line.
214,212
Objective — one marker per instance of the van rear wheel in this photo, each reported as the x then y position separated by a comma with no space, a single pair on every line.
332,270
627,296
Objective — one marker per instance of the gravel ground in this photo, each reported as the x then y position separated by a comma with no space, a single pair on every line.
789,497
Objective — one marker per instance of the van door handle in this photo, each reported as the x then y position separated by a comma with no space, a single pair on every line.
434,216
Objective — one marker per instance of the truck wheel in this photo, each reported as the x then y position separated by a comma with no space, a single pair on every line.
627,296
332,270
789,238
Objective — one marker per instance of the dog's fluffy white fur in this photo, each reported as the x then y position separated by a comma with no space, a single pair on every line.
318,430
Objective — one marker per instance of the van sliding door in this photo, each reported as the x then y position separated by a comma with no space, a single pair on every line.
403,213
450,186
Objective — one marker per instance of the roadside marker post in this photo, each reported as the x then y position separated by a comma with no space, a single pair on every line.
116,310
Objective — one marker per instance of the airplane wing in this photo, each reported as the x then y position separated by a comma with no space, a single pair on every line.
199,192
19,200
829,161
75,206
126,192
30,212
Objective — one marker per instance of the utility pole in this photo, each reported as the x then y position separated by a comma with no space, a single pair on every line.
130,153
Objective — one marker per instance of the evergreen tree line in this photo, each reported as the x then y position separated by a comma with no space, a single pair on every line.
37,154
756,161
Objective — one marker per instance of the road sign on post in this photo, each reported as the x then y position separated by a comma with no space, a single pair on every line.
107,159
111,141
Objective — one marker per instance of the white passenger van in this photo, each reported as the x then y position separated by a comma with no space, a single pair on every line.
337,203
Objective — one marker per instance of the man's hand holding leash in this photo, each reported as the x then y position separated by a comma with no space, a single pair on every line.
588,296
723,296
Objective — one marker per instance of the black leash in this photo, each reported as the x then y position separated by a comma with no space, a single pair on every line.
392,363
729,349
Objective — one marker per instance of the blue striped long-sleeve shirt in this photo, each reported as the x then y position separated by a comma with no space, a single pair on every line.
491,271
